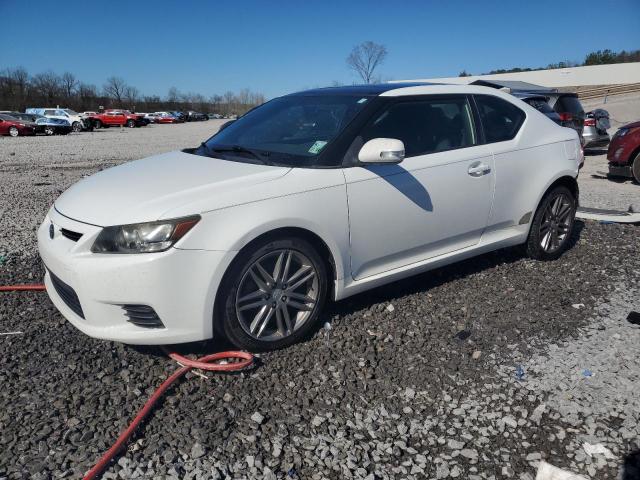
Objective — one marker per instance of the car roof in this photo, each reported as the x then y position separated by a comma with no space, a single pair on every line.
373,89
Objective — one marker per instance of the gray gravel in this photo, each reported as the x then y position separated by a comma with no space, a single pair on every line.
414,380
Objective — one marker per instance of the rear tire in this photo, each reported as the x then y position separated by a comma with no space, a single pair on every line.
552,224
77,127
49,131
131,123
272,295
14,132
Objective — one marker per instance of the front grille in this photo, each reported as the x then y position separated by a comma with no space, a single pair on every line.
142,316
67,294
75,236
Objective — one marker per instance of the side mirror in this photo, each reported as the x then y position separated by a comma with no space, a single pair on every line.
382,150
225,125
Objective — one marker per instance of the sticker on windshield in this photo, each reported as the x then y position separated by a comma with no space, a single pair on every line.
316,147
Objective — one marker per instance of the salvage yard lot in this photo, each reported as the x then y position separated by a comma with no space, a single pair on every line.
476,370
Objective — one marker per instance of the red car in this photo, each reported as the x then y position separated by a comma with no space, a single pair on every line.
624,152
14,127
164,117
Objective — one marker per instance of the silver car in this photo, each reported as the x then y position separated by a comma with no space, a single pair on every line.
596,124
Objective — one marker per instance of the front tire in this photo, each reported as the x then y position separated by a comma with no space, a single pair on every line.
272,295
97,124
131,123
635,168
49,131
552,224
14,132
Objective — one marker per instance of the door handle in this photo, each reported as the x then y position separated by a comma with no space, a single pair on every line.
478,169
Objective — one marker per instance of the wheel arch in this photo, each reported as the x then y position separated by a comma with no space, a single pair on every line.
313,238
566,180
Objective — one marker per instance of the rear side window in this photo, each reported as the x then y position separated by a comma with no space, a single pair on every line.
539,104
49,112
501,120
426,126
569,104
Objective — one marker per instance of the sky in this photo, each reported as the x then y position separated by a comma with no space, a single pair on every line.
276,47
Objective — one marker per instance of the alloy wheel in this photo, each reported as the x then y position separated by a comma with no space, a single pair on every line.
48,130
13,131
277,295
77,127
556,223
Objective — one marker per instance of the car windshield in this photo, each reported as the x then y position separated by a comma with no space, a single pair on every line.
70,112
291,130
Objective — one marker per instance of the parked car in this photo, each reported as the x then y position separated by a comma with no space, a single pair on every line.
326,192
14,127
214,116
571,112
165,117
179,116
74,118
151,117
133,119
540,103
624,152
596,124
53,126
196,116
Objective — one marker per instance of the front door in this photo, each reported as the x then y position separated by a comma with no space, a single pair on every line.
436,201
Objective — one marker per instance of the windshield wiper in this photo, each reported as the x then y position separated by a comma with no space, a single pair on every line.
240,149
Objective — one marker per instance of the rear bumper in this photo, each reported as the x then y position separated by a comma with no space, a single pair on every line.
596,141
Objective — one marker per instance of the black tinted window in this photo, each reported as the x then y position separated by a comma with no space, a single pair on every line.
501,120
569,104
425,126
539,104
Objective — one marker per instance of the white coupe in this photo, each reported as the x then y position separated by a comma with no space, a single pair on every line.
323,193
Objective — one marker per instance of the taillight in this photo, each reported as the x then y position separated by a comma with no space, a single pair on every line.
589,122
565,117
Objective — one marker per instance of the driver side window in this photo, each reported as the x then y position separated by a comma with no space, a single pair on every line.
426,126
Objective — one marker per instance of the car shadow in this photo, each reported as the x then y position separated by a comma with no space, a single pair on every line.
423,282
631,466
405,183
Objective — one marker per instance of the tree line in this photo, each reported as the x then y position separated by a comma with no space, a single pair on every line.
600,57
20,90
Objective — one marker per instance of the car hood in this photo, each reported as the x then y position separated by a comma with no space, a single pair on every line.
150,189
631,125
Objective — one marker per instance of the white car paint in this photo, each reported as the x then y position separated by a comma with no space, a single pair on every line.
454,205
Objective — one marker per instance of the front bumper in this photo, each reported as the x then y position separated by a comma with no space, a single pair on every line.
180,285
616,170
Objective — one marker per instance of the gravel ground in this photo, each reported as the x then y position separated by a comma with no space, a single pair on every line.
475,371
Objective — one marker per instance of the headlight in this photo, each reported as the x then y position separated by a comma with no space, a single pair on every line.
143,237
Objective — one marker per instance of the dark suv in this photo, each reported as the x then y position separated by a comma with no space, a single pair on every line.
570,110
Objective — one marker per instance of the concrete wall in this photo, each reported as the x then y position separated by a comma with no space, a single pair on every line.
618,73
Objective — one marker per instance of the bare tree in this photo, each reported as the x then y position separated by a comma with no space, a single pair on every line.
48,85
115,88
69,84
365,58
131,95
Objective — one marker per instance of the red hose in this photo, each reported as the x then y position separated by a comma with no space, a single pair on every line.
246,359
22,288
204,363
